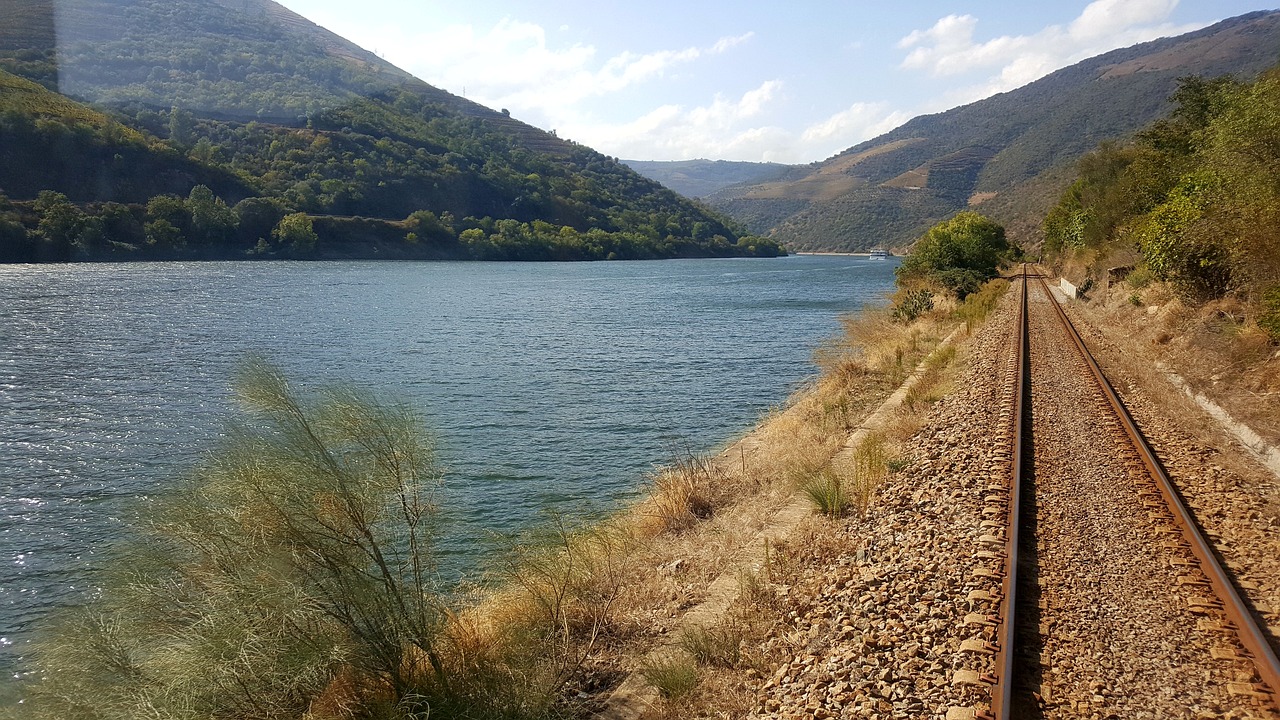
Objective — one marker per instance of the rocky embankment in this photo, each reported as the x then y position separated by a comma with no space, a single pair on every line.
879,619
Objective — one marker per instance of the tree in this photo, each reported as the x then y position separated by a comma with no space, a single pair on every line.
257,217
120,224
295,232
958,254
212,222
425,224
61,223
15,245
170,208
181,128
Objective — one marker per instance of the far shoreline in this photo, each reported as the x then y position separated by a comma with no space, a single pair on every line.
842,254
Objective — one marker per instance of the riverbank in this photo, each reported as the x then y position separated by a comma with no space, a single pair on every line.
683,609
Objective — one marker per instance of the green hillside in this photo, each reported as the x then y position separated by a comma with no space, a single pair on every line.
1009,154
259,105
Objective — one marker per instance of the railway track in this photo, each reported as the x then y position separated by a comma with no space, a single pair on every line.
1110,601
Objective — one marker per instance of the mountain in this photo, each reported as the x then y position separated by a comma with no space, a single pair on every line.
1008,156
256,103
700,178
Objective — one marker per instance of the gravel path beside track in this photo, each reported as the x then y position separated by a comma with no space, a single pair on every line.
875,629
1235,498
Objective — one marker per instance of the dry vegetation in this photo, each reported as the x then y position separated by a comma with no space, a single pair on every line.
1214,347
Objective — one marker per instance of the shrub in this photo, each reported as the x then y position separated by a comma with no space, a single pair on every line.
868,465
911,304
569,581
683,492
977,306
827,491
959,254
674,676
1140,278
294,570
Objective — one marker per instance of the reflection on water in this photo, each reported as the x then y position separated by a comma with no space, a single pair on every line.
548,385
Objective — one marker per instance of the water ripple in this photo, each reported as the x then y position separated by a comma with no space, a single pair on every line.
547,385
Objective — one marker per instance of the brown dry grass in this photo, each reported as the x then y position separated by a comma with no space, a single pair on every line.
1216,348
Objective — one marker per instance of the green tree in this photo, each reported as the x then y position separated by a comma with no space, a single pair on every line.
181,128
120,224
425,224
1197,103
14,240
212,222
1177,247
256,217
296,233
61,223
170,208
162,235
957,254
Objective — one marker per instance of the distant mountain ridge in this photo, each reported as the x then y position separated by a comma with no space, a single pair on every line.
1008,155
700,178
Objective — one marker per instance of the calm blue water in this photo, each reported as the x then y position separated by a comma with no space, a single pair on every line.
547,385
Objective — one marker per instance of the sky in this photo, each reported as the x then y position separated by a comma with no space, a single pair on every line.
793,82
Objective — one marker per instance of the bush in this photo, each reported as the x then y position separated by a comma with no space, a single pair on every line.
977,306
959,254
827,491
717,646
674,677
911,304
294,569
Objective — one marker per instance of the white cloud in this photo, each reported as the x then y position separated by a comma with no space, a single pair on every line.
861,121
722,129
727,129
513,65
1103,18
948,48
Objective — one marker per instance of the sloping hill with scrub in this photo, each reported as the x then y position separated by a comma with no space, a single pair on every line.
258,104
1009,155
700,178
93,154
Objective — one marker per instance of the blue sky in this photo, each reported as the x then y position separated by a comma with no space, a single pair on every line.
762,81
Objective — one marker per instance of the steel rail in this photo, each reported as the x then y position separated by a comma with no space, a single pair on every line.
1238,614
1002,692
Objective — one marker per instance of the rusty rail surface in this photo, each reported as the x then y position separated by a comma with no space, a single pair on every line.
1002,692
1249,633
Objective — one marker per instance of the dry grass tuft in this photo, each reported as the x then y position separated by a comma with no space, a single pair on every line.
826,489
867,467
682,495
675,676
719,646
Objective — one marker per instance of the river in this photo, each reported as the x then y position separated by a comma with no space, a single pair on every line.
547,386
